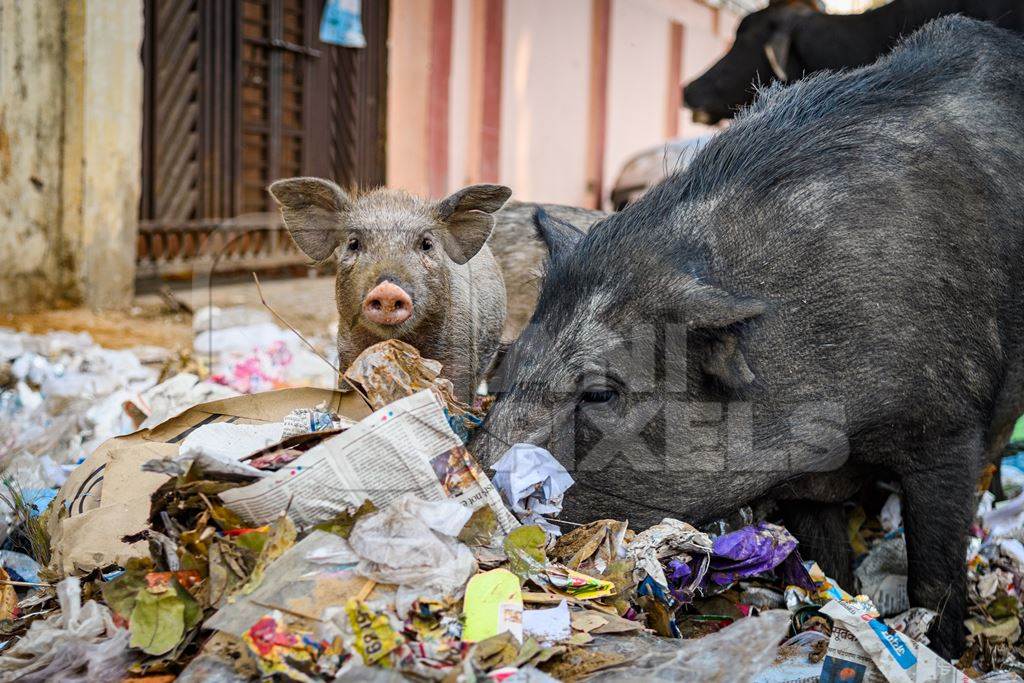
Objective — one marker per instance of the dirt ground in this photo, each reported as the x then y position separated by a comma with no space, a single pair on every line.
306,303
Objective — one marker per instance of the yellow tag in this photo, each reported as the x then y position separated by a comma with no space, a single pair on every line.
374,636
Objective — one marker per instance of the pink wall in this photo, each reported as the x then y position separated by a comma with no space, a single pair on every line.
545,82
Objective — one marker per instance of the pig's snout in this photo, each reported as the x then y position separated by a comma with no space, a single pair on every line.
387,304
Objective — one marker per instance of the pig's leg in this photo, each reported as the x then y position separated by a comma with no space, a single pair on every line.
939,507
821,530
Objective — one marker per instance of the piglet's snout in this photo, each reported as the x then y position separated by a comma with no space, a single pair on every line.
387,304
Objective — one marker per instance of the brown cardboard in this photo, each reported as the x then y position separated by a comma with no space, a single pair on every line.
108,495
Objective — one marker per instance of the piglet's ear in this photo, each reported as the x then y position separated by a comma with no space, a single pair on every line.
715,317
312,209
467,215
559,236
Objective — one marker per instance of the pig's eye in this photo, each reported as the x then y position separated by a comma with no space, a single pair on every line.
426,244
353,244
597,396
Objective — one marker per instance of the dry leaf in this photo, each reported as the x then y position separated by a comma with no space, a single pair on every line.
8,598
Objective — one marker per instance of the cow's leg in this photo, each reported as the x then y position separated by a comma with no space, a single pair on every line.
821,530
938,509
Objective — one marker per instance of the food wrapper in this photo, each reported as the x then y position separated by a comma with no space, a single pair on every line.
687,549
576,584
292,653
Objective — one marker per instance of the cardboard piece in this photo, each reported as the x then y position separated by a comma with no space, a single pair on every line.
108,496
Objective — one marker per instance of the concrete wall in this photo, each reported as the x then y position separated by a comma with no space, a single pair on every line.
31,75
70,145
103,166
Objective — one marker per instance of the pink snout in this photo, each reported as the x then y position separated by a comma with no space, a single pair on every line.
387,304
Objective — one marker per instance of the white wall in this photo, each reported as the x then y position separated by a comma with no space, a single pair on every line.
458,95
545,91
637,77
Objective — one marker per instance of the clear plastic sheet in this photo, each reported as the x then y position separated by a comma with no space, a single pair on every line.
736,654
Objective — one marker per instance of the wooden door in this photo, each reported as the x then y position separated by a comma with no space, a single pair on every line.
239,93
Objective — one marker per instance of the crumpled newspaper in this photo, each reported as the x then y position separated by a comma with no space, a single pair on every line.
78,644
672,539
413,543
861,641
532,483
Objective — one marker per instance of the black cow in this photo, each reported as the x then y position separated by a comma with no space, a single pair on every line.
792,38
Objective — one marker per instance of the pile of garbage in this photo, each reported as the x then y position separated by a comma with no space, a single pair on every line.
61,395
311,534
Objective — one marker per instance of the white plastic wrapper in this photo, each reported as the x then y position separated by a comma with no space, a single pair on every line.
240,339
217,318
533,484
1006,518
79,644
891,515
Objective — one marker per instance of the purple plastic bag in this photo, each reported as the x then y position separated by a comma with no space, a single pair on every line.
754,550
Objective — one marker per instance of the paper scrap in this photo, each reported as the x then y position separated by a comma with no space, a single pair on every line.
533,483
864,648
548,625
493,605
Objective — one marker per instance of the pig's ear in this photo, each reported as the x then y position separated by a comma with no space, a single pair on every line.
717,316
312,210
467,216
559,236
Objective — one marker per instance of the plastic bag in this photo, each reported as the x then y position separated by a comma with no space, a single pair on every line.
412,543
80,643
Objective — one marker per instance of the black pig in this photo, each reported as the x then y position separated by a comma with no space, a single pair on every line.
831,293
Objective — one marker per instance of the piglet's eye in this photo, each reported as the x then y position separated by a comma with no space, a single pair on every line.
353,244
426,244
